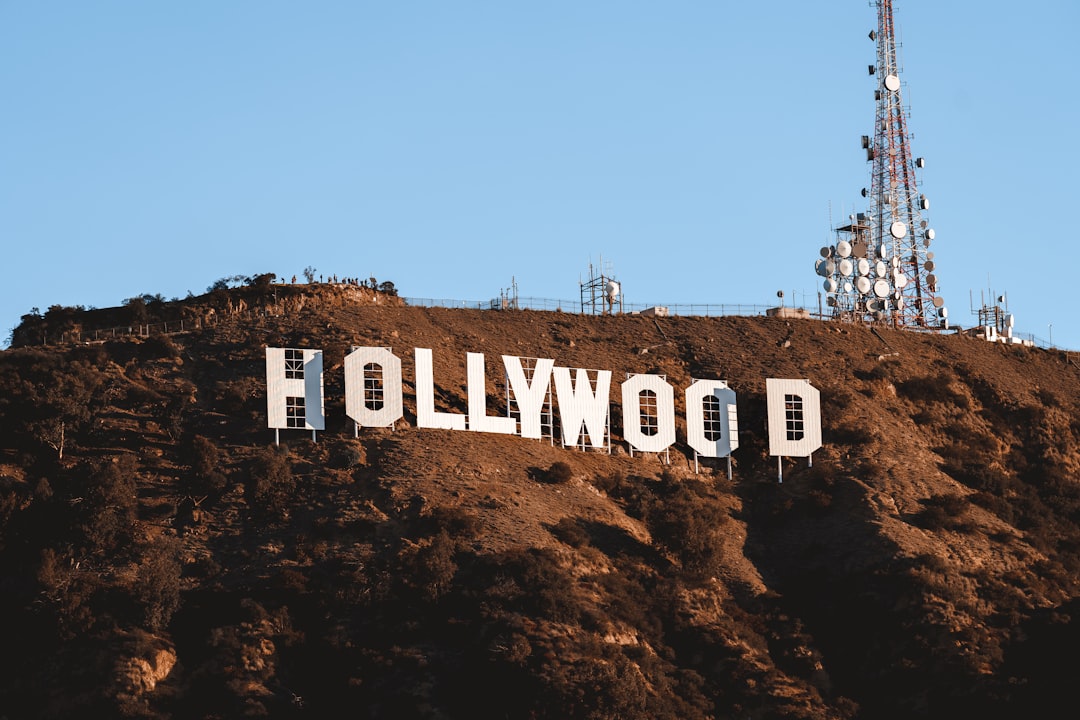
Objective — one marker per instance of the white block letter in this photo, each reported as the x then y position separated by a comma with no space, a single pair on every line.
294,389
712,418
479,420
426,415
373,396
662,435
579,404
529,397
794,417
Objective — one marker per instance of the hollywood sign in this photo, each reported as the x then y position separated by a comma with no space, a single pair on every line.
374,398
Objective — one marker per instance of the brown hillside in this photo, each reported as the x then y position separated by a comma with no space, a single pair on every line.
160,558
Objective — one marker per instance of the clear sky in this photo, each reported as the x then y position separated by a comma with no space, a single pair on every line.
703,149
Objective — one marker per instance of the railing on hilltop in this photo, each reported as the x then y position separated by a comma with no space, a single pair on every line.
574,306
527,303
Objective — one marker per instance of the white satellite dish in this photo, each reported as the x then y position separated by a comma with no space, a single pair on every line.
900,280
864,266
843,248
898,230
611,290
943,312
847,287
892,83
830,285
846,267
881,287
1009,320
880,269
862,284
929,233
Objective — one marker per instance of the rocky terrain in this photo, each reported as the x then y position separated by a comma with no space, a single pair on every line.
160,557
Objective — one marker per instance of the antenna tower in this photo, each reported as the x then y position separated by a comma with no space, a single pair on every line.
881,268
601,294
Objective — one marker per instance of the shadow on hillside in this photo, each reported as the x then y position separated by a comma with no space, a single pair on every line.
611,540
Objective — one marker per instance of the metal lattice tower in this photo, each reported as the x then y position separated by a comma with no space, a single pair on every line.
881,268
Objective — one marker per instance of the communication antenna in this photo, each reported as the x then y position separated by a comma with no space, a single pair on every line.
601,294
881,269
508,297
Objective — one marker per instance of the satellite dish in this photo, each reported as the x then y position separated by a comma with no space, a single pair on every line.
899,301
943,312
929,234
847,287
931,279
865,192
881,287
830,301
880,269
846,267
892,83
826,251
830,285
929,256
843,248
830,267
939,303
780,294
864,266
929,265
1009,320
611,290
862,284
898,230
883,251
900,280
819,268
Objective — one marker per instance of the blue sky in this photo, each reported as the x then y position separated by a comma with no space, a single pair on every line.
700,148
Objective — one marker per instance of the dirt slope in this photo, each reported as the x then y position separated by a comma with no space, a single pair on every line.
921,567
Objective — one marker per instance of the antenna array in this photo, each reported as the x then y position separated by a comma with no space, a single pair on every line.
881,269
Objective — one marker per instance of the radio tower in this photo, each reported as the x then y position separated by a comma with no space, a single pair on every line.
881,268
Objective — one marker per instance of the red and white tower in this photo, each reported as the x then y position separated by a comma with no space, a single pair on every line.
881,268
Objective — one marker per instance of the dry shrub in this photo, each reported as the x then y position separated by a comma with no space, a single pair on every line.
559,473
933,389
570,532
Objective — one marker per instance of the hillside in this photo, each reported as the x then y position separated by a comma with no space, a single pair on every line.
160,557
